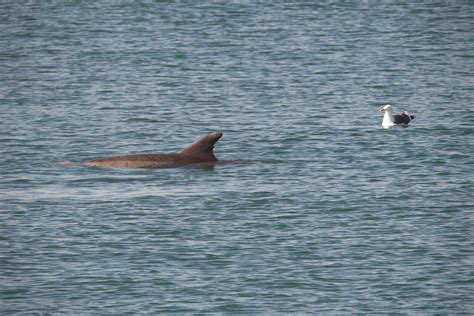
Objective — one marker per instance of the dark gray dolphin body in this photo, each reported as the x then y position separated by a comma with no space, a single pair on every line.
200,151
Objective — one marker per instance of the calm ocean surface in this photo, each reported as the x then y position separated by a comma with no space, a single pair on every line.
337,215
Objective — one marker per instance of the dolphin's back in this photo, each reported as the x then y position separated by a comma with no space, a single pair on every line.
136,161
198,152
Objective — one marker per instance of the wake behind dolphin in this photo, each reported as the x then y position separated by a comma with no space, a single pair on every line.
200,152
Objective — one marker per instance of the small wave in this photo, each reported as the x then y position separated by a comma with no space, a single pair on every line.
67,163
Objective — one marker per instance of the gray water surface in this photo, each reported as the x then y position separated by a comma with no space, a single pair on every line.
337,215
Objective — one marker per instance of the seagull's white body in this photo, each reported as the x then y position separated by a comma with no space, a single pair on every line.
387,121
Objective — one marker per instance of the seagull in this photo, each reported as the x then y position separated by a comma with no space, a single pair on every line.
390,120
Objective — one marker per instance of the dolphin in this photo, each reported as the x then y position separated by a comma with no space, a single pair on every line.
201,152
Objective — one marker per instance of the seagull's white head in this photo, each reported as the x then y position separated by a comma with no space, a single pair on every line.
385,108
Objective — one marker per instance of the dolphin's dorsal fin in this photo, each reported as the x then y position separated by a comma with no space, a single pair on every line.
203,147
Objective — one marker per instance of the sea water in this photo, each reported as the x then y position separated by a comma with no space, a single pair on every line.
334,215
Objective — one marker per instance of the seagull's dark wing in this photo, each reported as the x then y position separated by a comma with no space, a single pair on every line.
401,119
